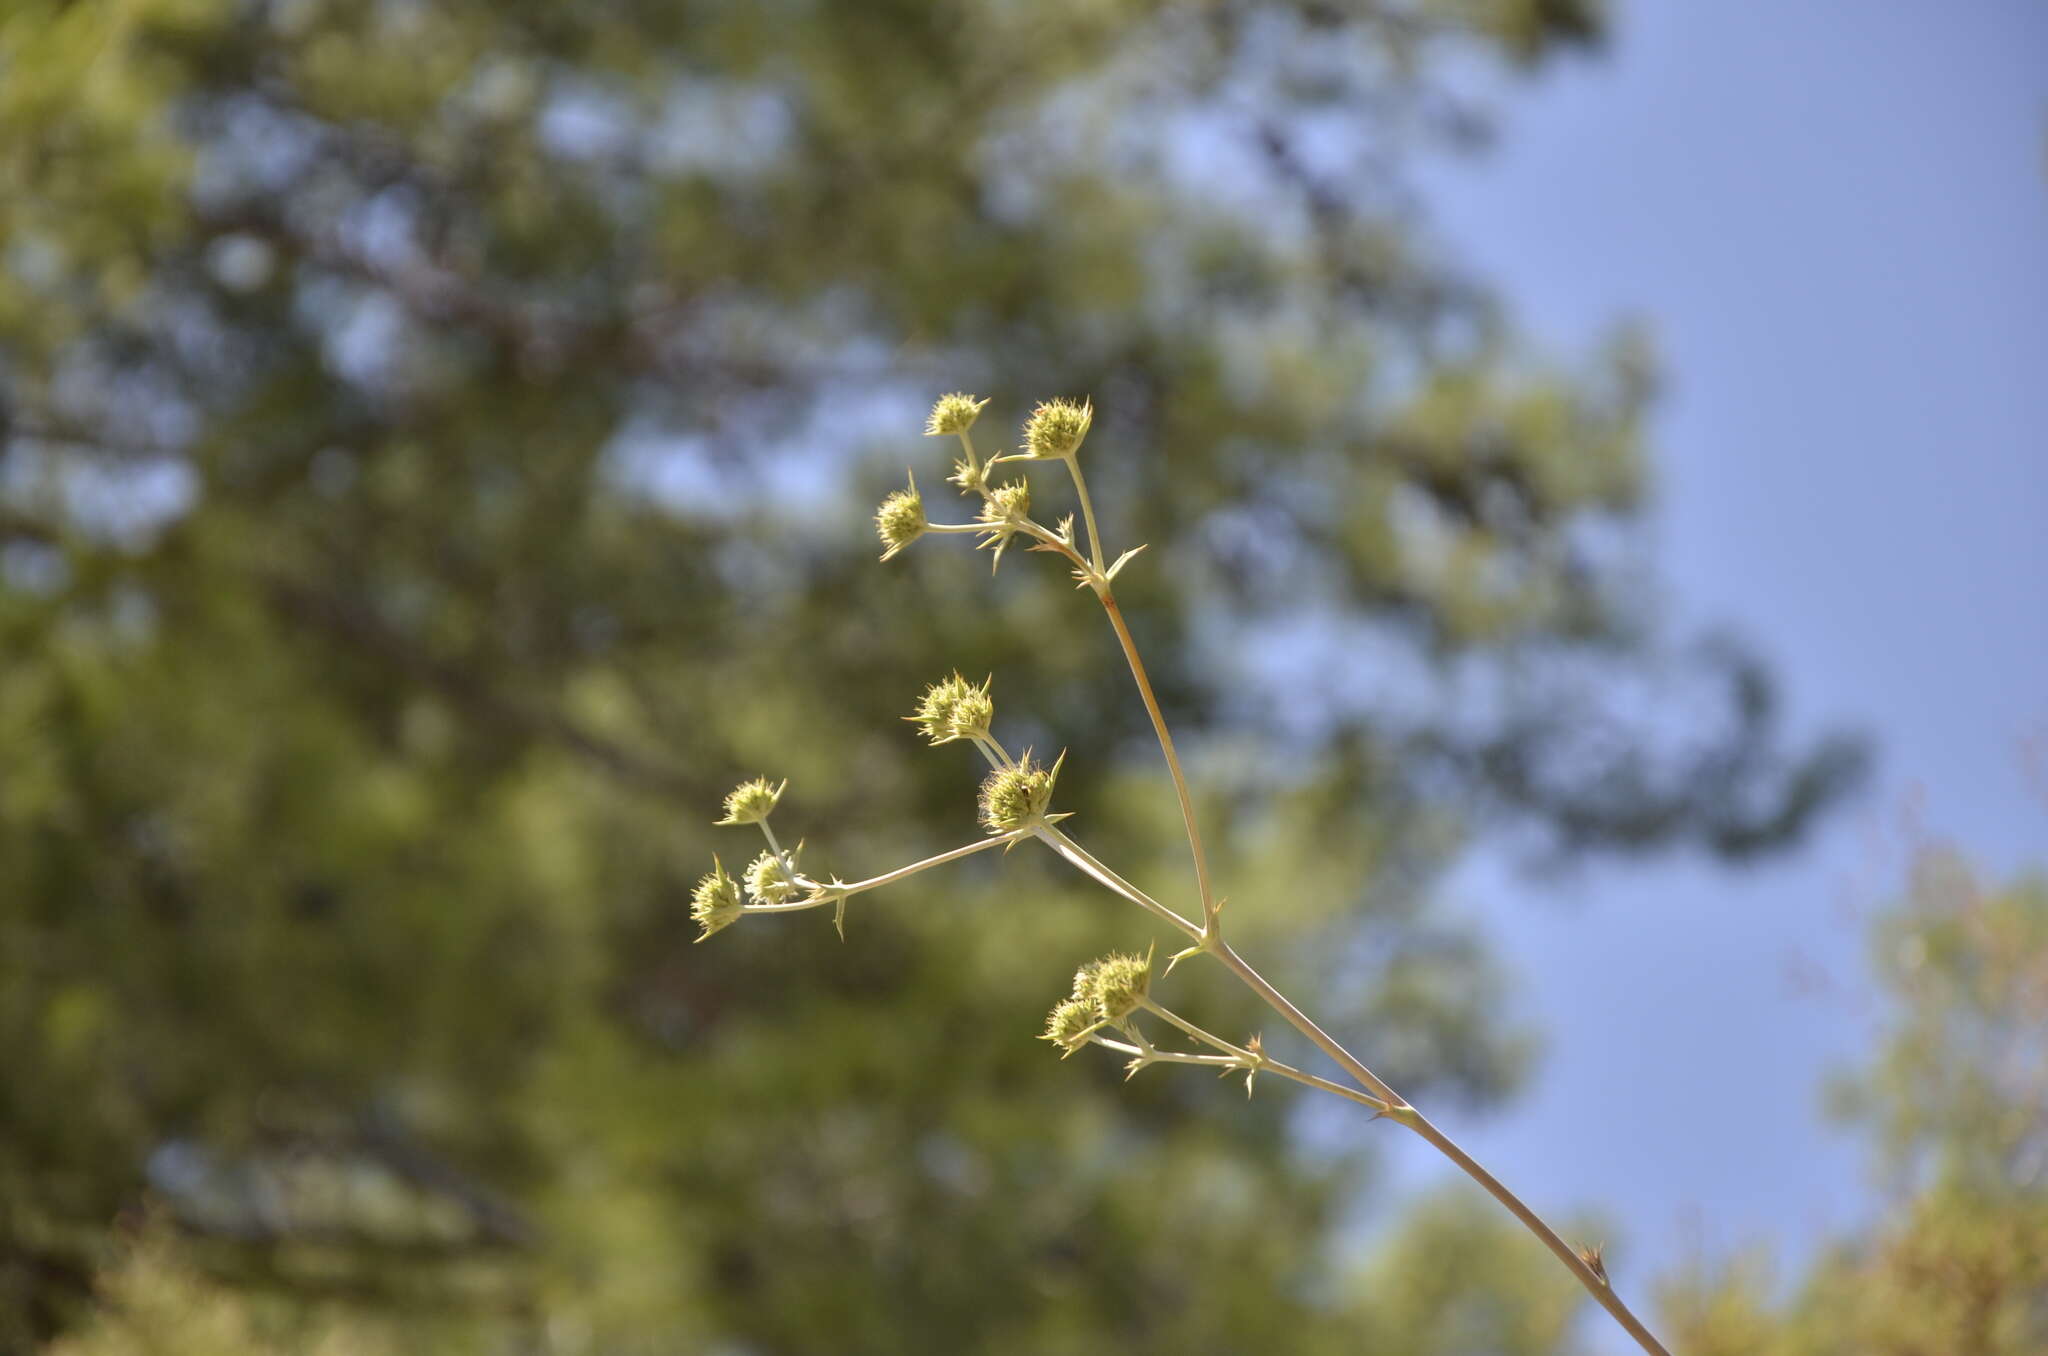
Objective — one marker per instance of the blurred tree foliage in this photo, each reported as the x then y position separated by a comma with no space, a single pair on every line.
434,448
1958,1102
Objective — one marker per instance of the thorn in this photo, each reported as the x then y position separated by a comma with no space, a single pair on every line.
1177,957
1595,1263
1123,560
839,918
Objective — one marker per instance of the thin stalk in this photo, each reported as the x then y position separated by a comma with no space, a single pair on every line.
1166,1056
1086,863
775,846
1261,1062
1087,511
953,855
1180,782
838,891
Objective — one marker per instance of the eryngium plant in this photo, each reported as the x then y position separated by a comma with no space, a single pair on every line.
1113,998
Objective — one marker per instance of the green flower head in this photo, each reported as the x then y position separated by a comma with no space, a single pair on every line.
953,413
751,802
716,901
1008,505
1016,797
1056,428
1003,515
954,709
1114,986
1069,1024
900,519
768,882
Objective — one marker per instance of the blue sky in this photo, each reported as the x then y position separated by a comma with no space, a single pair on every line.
1835,219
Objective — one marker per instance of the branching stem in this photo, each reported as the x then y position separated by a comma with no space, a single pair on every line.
1378,1095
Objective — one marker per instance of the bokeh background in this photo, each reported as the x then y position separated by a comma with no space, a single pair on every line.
1591,463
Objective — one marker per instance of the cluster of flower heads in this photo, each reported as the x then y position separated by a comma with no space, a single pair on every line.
717,902
1054,432
1106,992
1016,796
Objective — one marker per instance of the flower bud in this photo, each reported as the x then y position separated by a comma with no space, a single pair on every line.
969,476
1069,1024
716,901
751,802
1056,428
768,882
900,519
1016,797
1004,514
954,709
953,413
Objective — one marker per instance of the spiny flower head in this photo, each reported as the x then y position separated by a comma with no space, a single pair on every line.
1069,1024
1016,797
768,882
1008,505
716,901
1056,428
900,519
953,413
1004,514
751,802
1114,986
954,709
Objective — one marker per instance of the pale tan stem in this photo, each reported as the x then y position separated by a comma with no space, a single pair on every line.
1261,1062
1087,512
1086,862
834,892
1180,782
1400,1110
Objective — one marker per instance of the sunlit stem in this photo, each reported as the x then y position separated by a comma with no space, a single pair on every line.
1261,1062
775,846
1087,510
841,890
1180,781
1398,1109
1086,862
943,528
996,754
903,872
1153,1054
